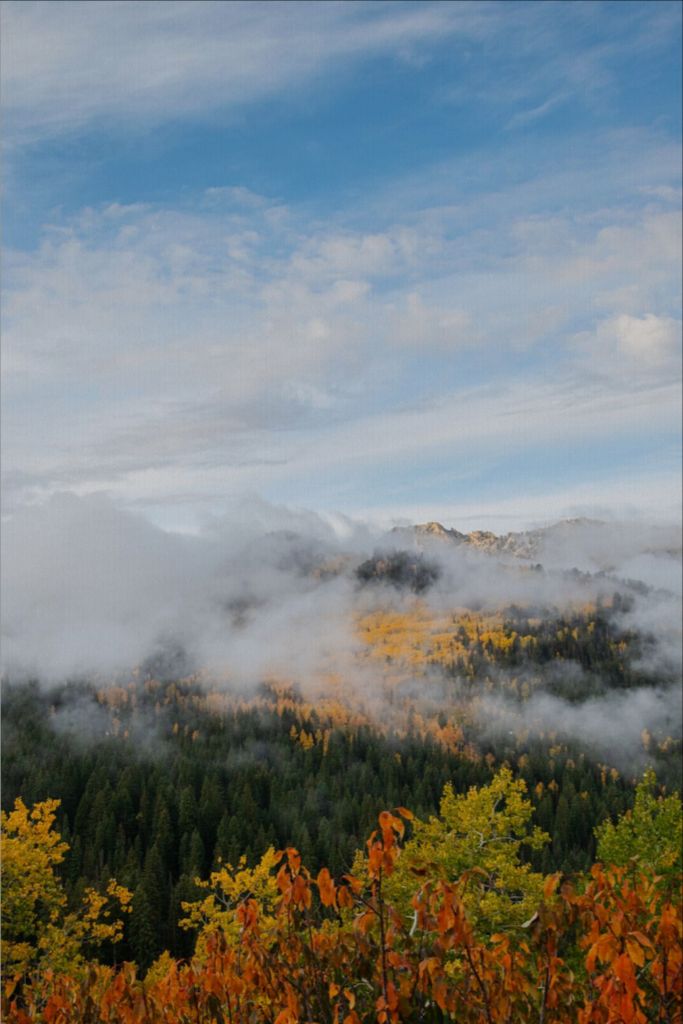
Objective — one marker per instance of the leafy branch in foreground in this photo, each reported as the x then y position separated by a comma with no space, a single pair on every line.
38,934
278,945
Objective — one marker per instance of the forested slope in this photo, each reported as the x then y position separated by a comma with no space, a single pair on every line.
515,735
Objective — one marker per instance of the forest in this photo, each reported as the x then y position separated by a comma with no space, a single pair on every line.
206,851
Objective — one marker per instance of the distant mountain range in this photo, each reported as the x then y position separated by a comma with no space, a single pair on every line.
414,555
602,542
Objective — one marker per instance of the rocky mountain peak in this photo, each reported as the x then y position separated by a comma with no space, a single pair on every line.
434,529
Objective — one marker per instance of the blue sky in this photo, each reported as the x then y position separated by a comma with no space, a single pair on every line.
391,259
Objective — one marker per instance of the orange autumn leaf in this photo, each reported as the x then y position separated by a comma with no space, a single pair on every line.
642,939
286,1017
345,897
326,888
635,951
293,859
550,886
392,996
350,998
386,820
301,892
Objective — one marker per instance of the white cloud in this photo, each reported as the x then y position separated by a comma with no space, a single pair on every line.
184,354
96,590
68,65
641,348
124,64
650,340
417,323
327,256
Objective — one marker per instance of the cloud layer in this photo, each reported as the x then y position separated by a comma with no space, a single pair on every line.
239,344
359,257
66,67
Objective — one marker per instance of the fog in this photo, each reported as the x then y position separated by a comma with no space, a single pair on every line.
91,591
610,726
88,588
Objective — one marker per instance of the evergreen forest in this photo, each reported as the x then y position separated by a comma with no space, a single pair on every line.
165,796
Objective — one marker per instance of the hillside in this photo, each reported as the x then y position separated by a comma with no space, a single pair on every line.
349,682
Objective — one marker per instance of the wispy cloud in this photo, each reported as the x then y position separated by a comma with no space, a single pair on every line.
486,303
68,65
163,354
114,65
524,117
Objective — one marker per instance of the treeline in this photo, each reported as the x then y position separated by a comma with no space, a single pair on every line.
181,788
401,569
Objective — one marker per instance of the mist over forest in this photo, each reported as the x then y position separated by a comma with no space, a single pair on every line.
97,595
279,677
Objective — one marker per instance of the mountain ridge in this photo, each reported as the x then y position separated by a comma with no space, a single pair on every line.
526,544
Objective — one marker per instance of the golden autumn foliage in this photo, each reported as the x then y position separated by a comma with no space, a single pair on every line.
33,899
480,834
277,945
37,932
486,651
226,889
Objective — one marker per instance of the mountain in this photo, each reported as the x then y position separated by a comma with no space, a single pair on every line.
588,543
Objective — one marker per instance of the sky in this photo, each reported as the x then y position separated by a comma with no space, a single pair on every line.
398,261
